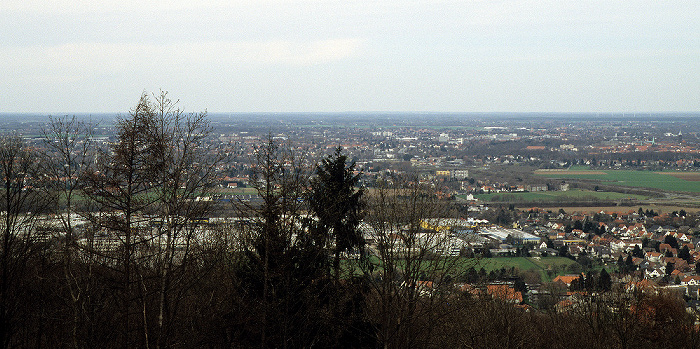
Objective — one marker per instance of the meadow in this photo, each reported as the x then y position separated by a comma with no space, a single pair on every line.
558,265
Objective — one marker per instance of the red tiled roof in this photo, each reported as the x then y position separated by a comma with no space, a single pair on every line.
567,279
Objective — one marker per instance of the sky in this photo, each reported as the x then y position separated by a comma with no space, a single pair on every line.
72,56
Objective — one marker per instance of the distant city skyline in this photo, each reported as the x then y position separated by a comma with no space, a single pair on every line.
69,56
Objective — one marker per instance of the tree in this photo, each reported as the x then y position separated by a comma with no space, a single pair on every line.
621,264
407,278
68,155
629,264
154,173
186,180
604,280
281,272
120,189
671,240
637,252
669,268
563,251
20,204
578,284
336,203
684,253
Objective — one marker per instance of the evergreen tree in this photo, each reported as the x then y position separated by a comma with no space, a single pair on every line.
563,251
621,264
604,280
669,268
336,203
637,252
282,270
671,240
629,264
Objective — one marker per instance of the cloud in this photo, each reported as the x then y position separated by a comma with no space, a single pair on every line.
96,57
124,6
302,53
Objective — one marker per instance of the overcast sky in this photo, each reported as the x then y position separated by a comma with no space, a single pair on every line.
63,56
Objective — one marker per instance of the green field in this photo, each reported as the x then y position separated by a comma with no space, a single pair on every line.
549,196
557,264
630,178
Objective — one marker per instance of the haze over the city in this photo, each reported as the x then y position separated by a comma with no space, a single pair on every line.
327,56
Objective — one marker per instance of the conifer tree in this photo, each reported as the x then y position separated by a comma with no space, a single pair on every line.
336,203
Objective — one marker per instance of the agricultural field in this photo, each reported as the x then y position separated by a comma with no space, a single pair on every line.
554,196
667,180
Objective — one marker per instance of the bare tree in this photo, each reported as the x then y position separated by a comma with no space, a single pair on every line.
67,156
19,208
149,193
409,276
121,188
183,201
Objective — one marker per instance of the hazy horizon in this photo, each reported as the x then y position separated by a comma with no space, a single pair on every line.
21,116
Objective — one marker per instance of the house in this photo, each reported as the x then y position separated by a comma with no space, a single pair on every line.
677,274
566,279
505,293
683,237
665,247
645,286
668,228
693,280
656,229
602,252
654,273
575,250
629,245
617,246
653,256
678,263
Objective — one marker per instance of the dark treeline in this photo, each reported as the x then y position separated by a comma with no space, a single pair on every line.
108,247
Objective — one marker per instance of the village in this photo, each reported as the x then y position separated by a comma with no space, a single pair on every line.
636,249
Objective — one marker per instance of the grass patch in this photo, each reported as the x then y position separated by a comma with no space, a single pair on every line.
555,265
548,267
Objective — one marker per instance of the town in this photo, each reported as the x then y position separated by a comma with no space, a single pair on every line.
487,207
